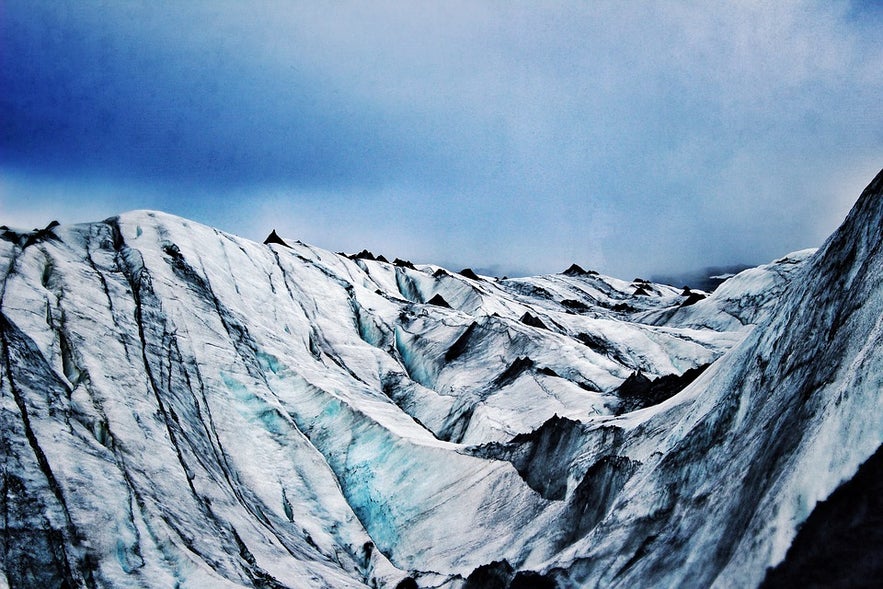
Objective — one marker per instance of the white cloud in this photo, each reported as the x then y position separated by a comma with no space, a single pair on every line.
639,137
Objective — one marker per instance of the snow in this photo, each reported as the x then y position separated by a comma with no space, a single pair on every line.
203,410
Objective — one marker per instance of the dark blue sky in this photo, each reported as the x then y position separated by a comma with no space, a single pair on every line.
634,138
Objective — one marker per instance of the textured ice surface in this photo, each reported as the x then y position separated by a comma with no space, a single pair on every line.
184,407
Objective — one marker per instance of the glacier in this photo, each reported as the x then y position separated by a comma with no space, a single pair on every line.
183,407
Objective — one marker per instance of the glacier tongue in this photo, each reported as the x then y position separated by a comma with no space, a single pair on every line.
184,407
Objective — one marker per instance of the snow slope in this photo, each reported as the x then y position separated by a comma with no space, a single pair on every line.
727,469
182,407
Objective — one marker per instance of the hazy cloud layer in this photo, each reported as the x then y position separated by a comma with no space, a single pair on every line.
631,137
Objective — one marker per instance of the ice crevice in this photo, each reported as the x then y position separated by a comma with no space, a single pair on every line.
14,340
152,343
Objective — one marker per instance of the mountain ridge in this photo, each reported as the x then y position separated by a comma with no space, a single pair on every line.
251,415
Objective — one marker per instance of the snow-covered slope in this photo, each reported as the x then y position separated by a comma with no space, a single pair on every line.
746,299
723,473
184,407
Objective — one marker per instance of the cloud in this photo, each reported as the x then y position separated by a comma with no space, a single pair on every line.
633,138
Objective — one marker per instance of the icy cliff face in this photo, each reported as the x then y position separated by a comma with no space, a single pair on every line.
734,463
182,406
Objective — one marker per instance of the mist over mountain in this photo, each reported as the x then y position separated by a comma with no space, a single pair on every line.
706,279
184,407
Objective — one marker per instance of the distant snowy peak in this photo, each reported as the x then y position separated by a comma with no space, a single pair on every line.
744,299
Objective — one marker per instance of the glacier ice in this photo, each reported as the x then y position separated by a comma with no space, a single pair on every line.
183,407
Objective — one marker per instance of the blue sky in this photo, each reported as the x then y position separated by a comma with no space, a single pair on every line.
630,137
